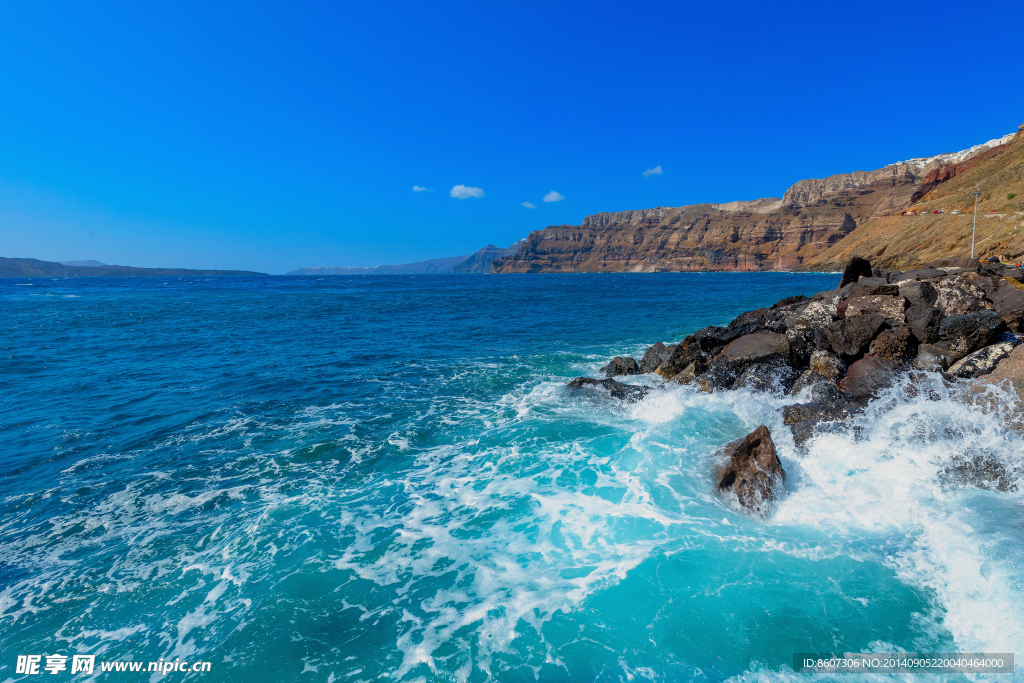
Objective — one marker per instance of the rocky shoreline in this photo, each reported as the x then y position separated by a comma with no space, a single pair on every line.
836,350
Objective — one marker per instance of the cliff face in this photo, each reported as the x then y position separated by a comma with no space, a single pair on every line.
907,241
816,225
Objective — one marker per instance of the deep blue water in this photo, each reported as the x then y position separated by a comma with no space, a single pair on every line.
349,478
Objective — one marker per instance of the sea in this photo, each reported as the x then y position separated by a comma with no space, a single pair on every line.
348,479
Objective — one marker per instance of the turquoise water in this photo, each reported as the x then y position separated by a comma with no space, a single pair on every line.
353,478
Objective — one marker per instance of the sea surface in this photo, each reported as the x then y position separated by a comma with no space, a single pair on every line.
365,478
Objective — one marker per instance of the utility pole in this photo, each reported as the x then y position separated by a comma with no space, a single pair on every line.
975,231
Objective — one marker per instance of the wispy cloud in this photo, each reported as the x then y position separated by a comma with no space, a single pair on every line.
528,205
417,188
653,171
553,196
463,192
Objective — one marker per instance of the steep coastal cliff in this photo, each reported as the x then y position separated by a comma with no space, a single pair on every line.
817,224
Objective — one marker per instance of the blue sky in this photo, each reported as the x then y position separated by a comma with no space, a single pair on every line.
275,136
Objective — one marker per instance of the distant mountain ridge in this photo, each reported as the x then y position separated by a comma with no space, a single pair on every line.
479,262
30,267
816,225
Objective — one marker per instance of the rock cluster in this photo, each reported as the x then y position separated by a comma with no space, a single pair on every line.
838,349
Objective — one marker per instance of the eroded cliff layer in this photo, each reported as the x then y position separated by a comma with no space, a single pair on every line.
816,225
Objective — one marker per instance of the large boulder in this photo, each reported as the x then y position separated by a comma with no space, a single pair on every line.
831,412
655,356
924,322
855,269
1007,297
971,331
889,307
817,315
755,347
690,372
897,344
1009,373
850,337
983,361
624,392
919,294
979,471
827,365
957,295
753,471
684,353
621,365
868,376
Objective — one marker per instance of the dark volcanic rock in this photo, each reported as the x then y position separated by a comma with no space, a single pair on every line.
828,365
855,269
772,375
934,359
924,322
682,355
690,372
850,338
983,472
897,344
625,392
809,379
655,356
914,275
621,365
919,294
868,376
755,347
1007,300
983,361
971,331
753,472
803,418
889,307
958,295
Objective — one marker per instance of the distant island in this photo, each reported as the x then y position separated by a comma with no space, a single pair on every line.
478,263
30,267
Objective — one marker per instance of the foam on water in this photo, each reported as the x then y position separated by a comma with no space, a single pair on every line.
462,516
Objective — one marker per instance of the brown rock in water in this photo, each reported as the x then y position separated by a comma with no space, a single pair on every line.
828,365
623,392
933,359
655,356
855,269
753,471
868,376
621,366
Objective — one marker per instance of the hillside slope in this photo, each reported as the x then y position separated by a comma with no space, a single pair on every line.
896,242
480,262
816,225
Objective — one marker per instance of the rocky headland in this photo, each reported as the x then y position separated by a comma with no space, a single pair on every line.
818,224
957,320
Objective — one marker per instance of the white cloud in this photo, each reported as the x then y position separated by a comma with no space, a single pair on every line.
417,188
463,192
553,196
528,205
653,171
